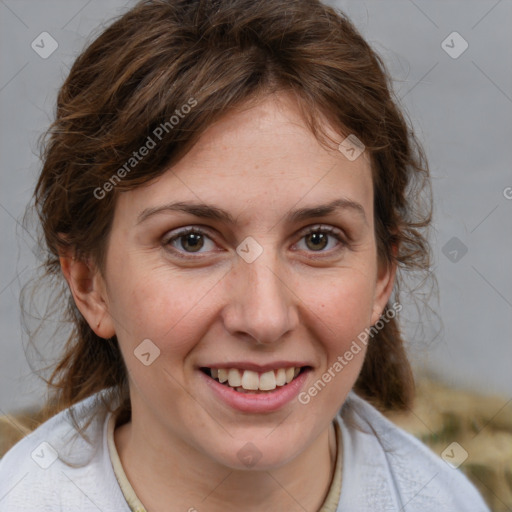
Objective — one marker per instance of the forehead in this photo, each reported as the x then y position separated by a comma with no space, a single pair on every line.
259,160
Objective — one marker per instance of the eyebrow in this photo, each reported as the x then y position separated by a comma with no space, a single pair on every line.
214,213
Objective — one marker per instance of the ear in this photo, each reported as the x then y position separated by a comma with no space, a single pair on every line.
89,293
385,282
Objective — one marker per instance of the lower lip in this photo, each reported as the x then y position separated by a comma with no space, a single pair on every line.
257,402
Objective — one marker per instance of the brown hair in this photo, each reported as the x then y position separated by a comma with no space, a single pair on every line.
217,55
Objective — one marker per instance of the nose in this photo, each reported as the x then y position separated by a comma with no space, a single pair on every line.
261,304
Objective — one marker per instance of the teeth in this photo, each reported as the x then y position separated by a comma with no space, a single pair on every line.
248,380
281,377
267,381
234,377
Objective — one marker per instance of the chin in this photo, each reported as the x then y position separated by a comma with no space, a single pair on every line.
258,455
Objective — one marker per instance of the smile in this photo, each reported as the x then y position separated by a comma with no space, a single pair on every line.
252,382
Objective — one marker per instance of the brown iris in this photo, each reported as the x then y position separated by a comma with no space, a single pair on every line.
192,242
316,238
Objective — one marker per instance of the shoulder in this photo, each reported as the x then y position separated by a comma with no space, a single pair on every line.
54,468
388,467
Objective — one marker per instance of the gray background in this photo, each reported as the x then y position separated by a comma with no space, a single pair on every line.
460,107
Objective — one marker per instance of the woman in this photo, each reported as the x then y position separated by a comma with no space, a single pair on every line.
228,192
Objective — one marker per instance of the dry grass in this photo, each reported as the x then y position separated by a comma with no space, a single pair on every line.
482,425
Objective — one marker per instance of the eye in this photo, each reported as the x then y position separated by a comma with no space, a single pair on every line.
194,240
318,238
190,240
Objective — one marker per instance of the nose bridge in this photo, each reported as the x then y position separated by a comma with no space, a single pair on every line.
262,304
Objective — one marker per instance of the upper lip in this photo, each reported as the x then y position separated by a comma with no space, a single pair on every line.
260,368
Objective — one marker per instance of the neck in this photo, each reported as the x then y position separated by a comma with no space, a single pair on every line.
192,482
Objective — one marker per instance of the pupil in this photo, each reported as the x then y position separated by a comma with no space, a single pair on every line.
318,238
193,241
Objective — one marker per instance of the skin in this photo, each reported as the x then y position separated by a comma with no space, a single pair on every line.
299,300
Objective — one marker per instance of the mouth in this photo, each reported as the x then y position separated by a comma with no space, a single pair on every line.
253,382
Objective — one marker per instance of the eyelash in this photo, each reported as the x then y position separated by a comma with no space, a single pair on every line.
328,230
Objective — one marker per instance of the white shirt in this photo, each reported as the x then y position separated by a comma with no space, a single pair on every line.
384,468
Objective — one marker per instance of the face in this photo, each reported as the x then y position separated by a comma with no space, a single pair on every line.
245,279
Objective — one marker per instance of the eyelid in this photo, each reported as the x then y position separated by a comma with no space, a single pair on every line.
176,233
325,228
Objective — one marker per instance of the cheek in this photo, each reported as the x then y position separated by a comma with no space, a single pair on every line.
344,304
159,305
340,312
